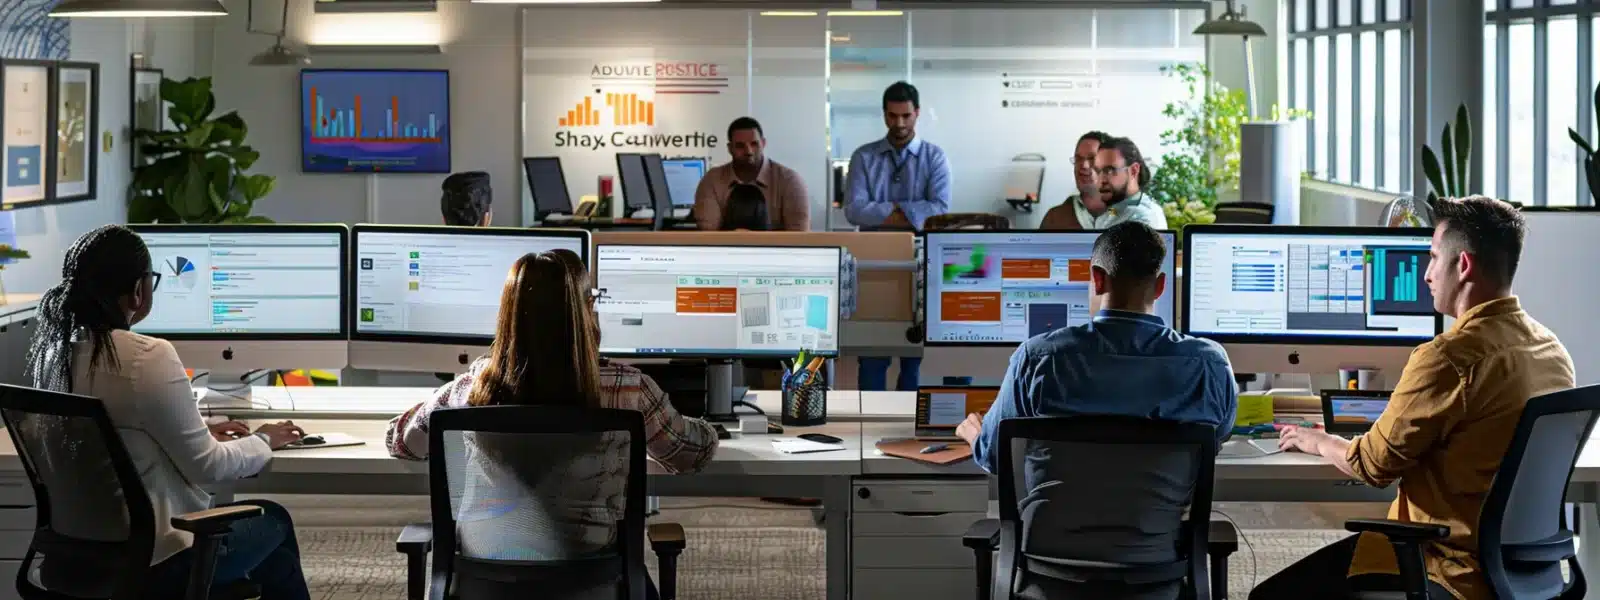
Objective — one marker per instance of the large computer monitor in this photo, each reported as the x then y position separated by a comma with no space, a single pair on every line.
717,302
683,178
237,298
547,185
635,183
426,298
1289,299
660,191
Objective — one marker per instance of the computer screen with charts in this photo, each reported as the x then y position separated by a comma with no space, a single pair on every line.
255,282
717,301
1287,286
999,288
941,409
440,283
237,298
683,178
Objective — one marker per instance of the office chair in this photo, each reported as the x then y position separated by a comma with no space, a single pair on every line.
1523,538
1244,213
69,449
501,477
975,221
1074,544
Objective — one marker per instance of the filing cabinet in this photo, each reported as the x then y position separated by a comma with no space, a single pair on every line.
905,537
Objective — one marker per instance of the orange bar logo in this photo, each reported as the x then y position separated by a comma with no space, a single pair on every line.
583,114
626,110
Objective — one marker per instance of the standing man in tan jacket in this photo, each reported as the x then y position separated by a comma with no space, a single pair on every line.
1450,419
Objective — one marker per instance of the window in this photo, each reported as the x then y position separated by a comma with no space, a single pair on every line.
1540,69
1350,68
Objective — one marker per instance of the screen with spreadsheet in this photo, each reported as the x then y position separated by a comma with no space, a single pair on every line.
441,281
717,301
1001,288
240,281
1364,283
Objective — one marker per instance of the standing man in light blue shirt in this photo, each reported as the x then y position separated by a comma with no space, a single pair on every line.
896,183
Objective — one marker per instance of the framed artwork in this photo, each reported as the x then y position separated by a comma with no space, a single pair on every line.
148,111
77,131
27,136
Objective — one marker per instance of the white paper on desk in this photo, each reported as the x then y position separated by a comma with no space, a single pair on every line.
791,445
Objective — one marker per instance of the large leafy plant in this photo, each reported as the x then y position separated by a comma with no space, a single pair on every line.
1591,162
1449,171
196,174
10,253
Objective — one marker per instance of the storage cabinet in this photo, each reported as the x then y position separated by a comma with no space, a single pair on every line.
16,530
905,537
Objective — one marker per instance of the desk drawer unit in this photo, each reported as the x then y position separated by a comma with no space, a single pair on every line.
906,537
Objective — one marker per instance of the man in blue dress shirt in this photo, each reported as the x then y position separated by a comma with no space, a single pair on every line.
1127,361
896,183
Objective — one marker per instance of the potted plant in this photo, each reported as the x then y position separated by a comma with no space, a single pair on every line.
8,253
196,173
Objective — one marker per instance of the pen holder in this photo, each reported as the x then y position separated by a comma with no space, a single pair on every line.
804,406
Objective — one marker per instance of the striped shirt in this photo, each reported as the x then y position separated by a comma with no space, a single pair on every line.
679,444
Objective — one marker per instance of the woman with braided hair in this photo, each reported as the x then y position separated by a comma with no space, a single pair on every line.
83,345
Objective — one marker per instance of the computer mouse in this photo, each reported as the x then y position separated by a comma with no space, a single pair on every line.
819,438
312,440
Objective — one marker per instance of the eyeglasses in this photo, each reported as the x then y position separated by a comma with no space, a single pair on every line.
596,294
155,279
1109,171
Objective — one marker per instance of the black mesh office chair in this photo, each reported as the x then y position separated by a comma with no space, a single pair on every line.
1244,213
1128,534
546,498
70,450
1523,538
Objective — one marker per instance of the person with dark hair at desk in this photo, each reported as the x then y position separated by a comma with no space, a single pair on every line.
746,210
84,345
467,199
546,351
788,205
896,183
1452,414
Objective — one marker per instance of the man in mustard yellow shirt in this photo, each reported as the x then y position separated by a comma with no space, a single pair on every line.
1450,419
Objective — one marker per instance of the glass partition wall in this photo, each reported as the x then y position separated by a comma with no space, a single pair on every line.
997,87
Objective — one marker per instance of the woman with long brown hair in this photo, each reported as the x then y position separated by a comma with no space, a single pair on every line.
546,351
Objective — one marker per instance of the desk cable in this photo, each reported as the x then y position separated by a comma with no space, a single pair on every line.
1239,531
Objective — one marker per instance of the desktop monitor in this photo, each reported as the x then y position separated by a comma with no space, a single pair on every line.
660,192
683,179
547,185
237,298
635,183
1292,299
717,302
426,298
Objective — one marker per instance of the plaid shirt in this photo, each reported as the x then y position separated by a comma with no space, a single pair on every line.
680,444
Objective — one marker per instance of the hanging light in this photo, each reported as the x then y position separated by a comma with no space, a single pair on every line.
277,55
1232,22
139,8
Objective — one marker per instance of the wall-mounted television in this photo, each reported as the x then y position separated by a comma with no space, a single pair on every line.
374,121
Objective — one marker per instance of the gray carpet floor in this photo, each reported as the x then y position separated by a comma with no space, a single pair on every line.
737,549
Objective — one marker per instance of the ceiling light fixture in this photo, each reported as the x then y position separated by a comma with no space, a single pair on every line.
1232,22
567,2
788,13
277,55
865,13
139,8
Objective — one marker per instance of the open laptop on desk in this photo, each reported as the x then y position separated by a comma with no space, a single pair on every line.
941,408
1349,413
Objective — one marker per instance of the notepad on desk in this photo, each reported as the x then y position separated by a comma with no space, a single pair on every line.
789,445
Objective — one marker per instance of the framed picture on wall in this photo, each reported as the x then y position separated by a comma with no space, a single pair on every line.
149,112
77,131
27,122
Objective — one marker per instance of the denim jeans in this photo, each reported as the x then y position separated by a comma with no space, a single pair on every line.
262,549
873,373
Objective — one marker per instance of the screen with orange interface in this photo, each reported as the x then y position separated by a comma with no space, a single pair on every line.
944,408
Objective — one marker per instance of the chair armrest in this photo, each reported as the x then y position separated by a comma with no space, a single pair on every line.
665,537
1399,531
416,538
216,520
984,534
1222,538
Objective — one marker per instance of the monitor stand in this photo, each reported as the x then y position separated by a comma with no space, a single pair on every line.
720,392
216,391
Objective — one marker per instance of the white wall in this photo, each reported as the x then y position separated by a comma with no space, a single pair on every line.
480,42
169,44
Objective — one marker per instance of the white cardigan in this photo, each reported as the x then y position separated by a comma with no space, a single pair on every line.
149,400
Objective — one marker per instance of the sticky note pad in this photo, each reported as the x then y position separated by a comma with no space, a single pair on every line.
1254,409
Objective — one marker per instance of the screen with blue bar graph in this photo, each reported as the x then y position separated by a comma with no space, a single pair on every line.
1310,285
374,121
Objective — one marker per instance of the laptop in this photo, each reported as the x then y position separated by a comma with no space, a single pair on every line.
941,408
1349,413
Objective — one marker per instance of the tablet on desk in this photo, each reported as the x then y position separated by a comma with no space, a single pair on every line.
324,440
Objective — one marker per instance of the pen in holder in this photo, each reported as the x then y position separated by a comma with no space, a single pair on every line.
805,405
